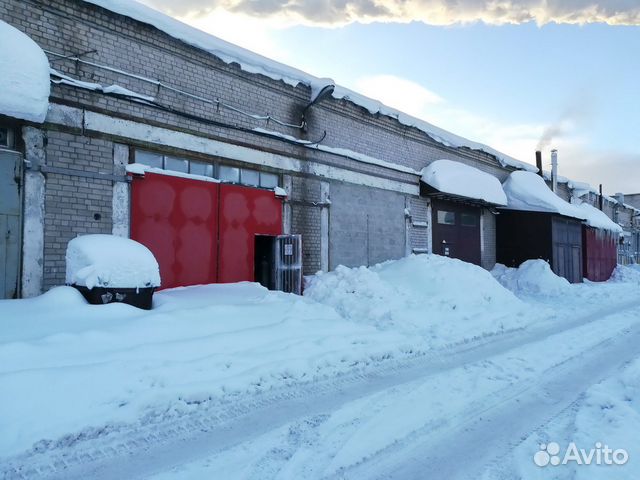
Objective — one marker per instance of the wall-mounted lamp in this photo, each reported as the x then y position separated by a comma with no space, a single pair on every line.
324,93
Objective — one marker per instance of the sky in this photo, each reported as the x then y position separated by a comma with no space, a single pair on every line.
514,74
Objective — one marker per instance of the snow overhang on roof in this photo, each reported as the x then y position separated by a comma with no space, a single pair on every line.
598,219
528,192
253,63
24,78
457,180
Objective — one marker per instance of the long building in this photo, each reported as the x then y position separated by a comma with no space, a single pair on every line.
161,132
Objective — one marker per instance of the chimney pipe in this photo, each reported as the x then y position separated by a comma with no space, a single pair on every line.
554,170
539,162
601,199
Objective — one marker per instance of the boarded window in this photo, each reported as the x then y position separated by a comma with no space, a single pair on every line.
446,218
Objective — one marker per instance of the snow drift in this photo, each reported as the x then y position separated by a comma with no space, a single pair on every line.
533,277
420,295
24,81
110,261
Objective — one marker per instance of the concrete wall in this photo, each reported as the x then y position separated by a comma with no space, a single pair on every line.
367,226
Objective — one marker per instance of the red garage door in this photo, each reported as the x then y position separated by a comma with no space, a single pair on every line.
201,232
244,213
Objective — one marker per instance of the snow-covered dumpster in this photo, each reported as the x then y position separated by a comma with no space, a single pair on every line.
107,269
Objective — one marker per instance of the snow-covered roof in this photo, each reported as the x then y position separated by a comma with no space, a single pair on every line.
24,77
528,191
463,180
110,261
253,63
598,219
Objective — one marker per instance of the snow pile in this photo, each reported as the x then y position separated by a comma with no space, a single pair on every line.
420,295
626,274
110,261
533,277
528,191
253,63
598,219
24,81
459,179
73,368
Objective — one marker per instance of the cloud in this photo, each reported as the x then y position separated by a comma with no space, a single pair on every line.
399,93
433,12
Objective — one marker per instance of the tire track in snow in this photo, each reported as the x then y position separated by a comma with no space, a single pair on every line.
217,427
483,437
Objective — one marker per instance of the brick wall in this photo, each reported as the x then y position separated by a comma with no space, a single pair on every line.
74,204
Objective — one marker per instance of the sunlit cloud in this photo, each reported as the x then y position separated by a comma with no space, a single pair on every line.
433,12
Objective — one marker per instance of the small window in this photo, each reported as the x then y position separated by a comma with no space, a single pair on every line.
268,180
176,164
6,137
200,168
150,159
229,174
446,218
250,177
468,220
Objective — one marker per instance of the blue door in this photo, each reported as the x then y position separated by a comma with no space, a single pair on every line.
10,224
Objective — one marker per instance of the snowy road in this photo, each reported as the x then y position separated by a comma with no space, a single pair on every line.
451,414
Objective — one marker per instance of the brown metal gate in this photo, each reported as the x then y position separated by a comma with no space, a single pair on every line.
456,230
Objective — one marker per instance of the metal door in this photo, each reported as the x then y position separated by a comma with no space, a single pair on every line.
10,225
456,230
177,219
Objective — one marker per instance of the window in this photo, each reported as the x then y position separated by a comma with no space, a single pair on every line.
149,158
229,174
468,220
446,218
250,177
268,180
6,137
176,164
200,168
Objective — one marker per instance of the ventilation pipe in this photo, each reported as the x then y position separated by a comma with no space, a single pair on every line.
554,170
601,199
539,162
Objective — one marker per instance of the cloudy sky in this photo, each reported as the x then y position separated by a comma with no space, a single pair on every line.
514,74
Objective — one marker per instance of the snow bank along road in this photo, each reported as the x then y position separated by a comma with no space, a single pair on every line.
450,414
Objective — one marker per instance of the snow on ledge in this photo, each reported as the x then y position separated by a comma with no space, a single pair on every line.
24,77
457,178
110,261
253,63
528,191
598,219
141,169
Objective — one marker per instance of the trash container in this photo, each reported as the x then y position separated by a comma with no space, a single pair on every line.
108,269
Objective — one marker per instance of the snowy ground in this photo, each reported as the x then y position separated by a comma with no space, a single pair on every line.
422,365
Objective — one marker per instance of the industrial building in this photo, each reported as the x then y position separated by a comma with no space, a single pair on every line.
208,153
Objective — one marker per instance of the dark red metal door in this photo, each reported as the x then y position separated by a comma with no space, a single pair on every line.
244,213
177,219
456,230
